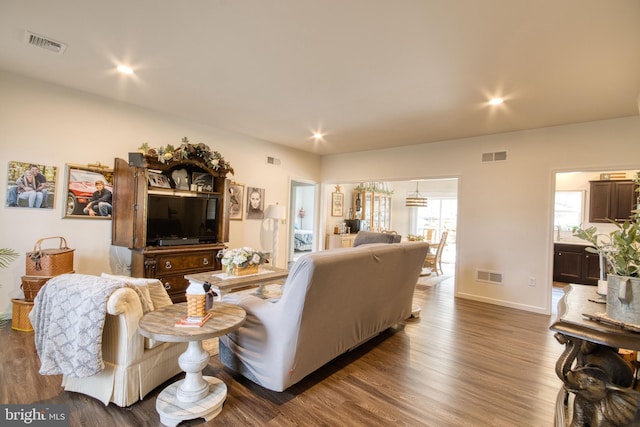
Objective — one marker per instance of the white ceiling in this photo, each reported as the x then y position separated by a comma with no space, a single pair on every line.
368,73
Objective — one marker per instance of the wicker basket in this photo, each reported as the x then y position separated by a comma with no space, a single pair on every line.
20,315
50,262
243,271
31,285
196,305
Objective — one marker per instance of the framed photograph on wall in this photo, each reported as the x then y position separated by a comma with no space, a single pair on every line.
255,203
236,194
337,204
89,191
31,185
158,180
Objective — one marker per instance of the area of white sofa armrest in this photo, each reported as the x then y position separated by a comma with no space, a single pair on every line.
121,342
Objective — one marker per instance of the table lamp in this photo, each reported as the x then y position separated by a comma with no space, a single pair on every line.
276,213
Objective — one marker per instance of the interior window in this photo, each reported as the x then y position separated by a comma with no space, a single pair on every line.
568,210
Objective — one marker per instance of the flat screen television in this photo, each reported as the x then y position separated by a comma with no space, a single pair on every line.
174,220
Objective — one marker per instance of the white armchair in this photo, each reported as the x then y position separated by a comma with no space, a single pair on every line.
134,365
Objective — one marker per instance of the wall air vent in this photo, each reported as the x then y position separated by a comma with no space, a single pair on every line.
489,277
273,161
494,157
44,43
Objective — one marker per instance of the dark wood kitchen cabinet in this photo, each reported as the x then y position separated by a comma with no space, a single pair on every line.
611,200
573,264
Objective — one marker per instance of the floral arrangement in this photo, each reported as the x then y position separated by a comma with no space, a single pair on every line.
415,238
240,257
186,150
375,187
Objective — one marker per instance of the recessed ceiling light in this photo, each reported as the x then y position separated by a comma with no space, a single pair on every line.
317,136
124,69
496,101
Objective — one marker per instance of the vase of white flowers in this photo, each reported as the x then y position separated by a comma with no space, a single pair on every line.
241,261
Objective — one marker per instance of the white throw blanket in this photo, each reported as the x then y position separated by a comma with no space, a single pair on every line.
68,317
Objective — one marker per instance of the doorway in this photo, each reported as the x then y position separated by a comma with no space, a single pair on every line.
439,214
571,210
302,220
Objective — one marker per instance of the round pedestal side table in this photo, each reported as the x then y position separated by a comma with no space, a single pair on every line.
196,396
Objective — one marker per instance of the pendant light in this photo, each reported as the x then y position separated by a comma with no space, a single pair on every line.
415,199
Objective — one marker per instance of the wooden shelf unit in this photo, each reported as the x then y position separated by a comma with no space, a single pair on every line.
376,209
130,222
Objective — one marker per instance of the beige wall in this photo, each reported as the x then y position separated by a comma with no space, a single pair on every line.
51,125
505,209
505,221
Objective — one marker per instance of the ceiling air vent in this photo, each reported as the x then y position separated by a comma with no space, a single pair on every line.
494,157
44,43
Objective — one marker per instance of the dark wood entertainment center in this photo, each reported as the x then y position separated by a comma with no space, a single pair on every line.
166,259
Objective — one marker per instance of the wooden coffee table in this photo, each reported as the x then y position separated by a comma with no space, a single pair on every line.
196,396
223,283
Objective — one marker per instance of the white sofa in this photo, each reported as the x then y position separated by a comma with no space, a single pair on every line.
332,301
133,365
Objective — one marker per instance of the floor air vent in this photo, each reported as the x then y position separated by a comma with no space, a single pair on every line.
44,43
489,277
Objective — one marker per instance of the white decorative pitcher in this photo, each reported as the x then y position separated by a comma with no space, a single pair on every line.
623,299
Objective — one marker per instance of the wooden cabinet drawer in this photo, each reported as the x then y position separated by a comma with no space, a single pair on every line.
185,262
176,286
170,265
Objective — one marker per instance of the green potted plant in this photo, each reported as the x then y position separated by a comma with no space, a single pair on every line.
621,251
7,256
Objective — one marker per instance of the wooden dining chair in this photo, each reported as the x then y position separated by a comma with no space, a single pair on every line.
434,260
428,234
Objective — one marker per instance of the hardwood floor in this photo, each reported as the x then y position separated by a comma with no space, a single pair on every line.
462,363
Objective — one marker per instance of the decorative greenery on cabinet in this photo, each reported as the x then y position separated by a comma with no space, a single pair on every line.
187,151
